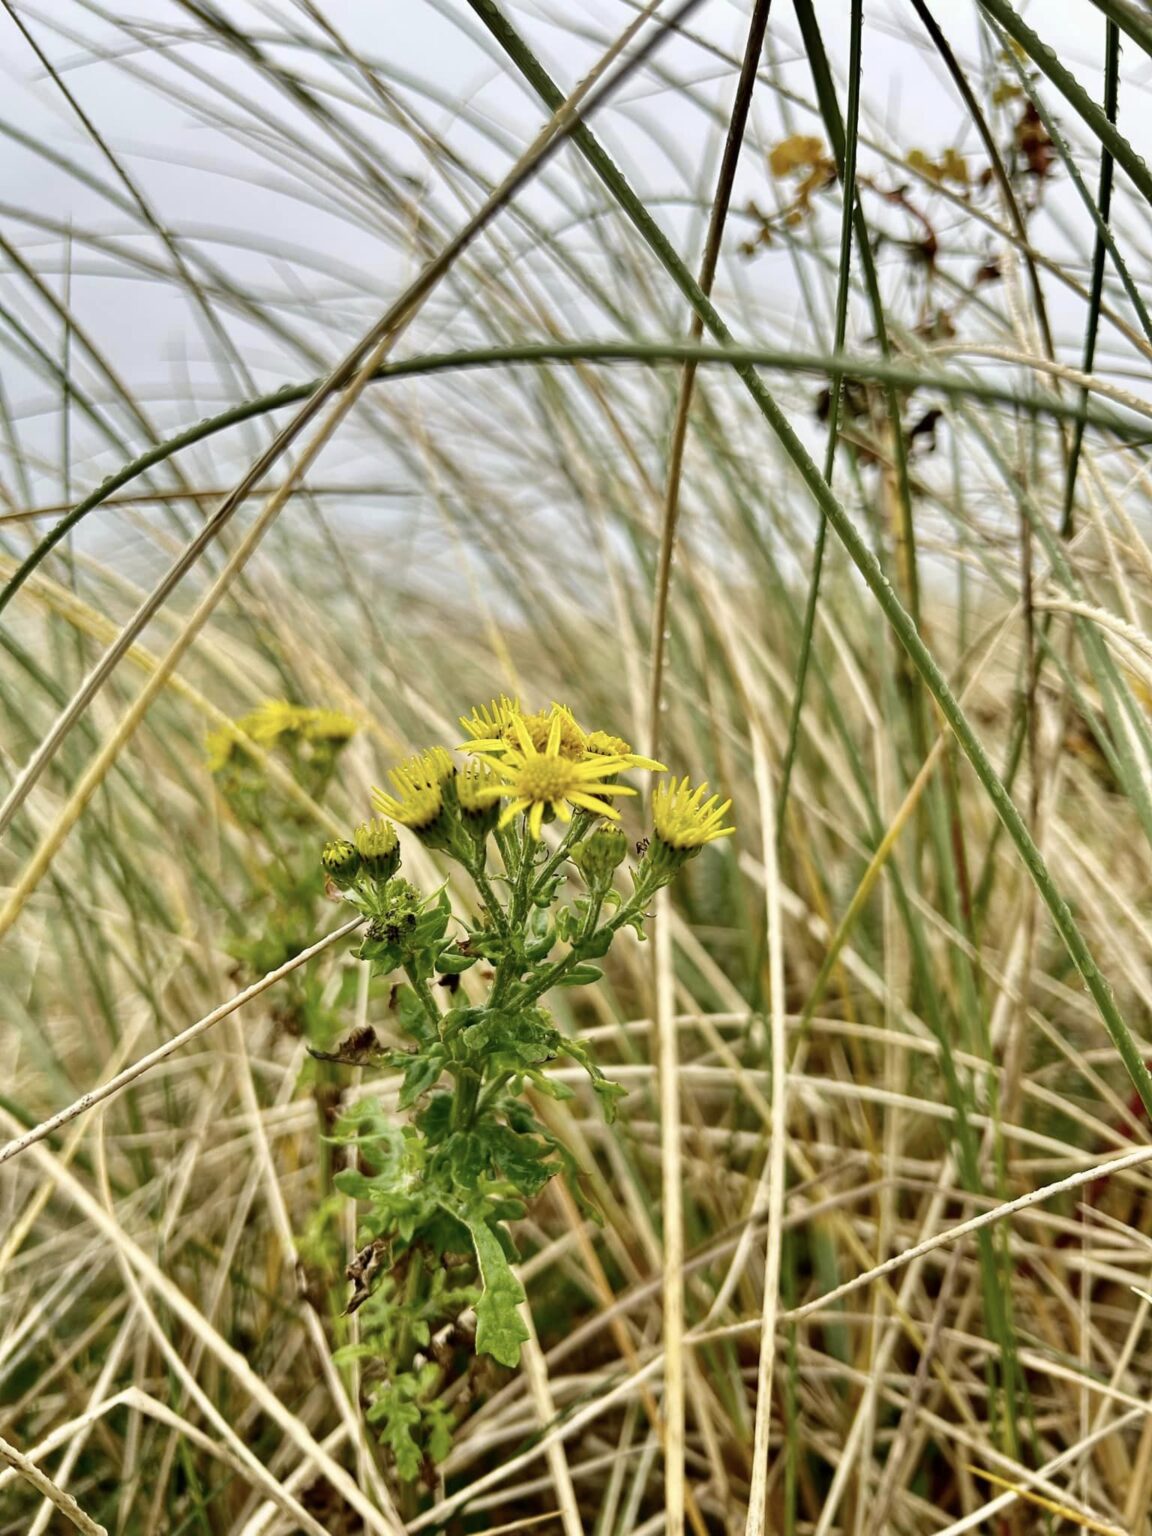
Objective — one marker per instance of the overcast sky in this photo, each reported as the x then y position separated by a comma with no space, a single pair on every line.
194,141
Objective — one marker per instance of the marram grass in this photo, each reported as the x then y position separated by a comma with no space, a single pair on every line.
872,1255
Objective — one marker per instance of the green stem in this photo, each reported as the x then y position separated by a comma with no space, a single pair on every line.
465,1099
548,978
491,1092
488,895
423,992
576,829
901,375
509,968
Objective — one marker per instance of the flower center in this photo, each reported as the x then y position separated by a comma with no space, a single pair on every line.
545,778
539,727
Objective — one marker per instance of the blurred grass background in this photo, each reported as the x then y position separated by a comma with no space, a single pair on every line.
873,1024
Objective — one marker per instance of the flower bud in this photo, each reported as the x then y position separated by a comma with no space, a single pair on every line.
476,793
341,863
379,848
599,855
662,860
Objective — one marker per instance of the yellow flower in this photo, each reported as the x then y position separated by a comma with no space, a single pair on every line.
601,744
273,718
419,786
488,722
341,863
494,729
471,784
536,781
684,819
325,724
378,848
571,739
219,744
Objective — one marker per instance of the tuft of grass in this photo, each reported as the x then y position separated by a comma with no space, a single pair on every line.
385,373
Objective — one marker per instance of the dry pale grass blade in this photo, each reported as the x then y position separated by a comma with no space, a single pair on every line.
58,1497
146,1063
1101,1170
536,1369
667,1035
152,1277
771,1190
672,1230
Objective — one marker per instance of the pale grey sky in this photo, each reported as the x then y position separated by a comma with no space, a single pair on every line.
192,125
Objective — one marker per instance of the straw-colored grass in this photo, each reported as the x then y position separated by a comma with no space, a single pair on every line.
544,383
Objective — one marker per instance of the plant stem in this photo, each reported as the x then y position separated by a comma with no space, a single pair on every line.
548,978
465,1099
423,992
575,832
488,895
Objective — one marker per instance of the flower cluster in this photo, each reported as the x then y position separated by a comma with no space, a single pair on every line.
541,766
307,741
436,1192
275,723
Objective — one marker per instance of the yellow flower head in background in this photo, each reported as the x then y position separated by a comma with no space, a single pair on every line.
601,744
218,744
325,724
536,781
271,720
683,819
276,718
419,786
488,722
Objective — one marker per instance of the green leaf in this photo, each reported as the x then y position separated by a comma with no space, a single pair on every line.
410,1011
385,957
549,1087
581,976
420,1074
432,923
500,1330
349,1181
596,944
435,1119
394,1408
607,1092
450,962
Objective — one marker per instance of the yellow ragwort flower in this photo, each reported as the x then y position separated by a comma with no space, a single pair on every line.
419,786
271,720
471,784
535,781
488,722
218,744
601,744
501,717
683,819
570,742
325,724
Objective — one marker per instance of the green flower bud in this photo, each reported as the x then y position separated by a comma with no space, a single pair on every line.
379,848
599,855
341,863
662,861
394,924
